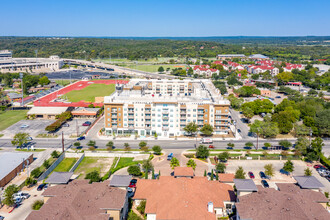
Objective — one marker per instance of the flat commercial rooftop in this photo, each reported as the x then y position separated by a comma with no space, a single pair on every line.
9,161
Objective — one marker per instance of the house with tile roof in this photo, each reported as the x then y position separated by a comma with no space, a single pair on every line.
184,198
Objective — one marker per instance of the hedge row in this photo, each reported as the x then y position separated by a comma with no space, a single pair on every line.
62,118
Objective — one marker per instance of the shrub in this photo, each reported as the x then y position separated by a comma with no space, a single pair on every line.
220,168
55,154
223,156
141,208
93,176
91,148
37,204
46,164
134,170
202,152
157,149
36,172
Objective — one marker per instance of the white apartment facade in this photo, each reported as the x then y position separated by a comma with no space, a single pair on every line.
165,107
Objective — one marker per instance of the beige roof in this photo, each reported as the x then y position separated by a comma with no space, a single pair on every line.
80,200
47,110
183,171
182,198
289,202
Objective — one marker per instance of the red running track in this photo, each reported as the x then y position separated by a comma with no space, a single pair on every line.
48,99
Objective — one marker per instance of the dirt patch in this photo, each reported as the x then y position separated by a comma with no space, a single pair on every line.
89,164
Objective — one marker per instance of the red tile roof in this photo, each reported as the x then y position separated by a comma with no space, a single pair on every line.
183,171
226,177
183,198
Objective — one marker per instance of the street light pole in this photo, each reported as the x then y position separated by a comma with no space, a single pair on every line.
257,138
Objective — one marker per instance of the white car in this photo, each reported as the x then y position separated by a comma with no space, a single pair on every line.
24,126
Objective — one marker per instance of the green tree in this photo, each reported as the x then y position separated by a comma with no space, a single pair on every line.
55,154
212,175
269,170
37,204
285,143
110,145
153,174
191,128
191,163
205,174
134,170
284,77
142,144
30,181
220,167
249,144
36,172
288,166
174,162
147,165
157,149
240,174
284,121
267,145
207,130
231,145
308,172
127,147
202,151
8,195
301,145
223,156
91,143
77,144
317,145
248,112
44,81
93,176
267,129
20,139
161,69
322,122
46,164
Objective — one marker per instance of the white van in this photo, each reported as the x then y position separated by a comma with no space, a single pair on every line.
206,141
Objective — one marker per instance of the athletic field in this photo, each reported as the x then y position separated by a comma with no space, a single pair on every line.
89,93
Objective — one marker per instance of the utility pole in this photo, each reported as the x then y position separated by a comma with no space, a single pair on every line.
21,76
62,142
257,138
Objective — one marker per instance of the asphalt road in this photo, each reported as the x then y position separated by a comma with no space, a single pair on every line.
165,144
243,127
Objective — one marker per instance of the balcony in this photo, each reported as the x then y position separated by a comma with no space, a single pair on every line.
113,115
200,117
222,113
113,110
165,128
131,126
130,111
148,117
165,111
148,110
183,116
165,117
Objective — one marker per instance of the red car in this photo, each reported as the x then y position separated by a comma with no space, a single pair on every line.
132,184
318,166
251,175
211,146
86,123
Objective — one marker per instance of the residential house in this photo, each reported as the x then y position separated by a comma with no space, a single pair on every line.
184,198
81,200
288,202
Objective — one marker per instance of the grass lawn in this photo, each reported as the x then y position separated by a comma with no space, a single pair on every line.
89,164
26,150
90,92
154,68
9,118
126,161
65,165
64,82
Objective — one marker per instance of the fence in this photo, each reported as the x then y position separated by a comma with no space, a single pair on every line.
51,168
77,163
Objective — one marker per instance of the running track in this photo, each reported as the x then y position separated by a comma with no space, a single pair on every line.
48,99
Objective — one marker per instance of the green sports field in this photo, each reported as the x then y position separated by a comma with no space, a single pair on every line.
8,118
89,93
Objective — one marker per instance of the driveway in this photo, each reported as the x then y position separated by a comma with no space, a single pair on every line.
34,128
161,163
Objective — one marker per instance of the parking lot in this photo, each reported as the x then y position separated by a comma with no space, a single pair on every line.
256,166
37,126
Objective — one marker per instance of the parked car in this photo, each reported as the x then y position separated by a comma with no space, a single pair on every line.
41,186
278,97
24,126
87,123
132,184
130,192
81,138
46,186
1,217
264,183
170,156
251,175
211,146
210,174
65,125
29,138
262,175
318,166
284,172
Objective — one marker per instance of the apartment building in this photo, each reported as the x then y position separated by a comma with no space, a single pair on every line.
165,107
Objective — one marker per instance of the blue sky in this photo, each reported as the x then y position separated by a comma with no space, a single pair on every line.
148,18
